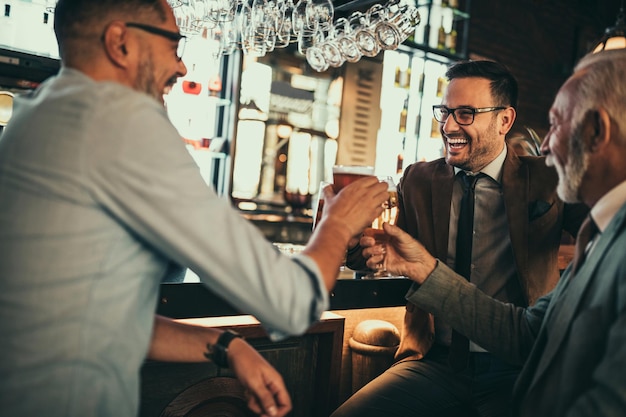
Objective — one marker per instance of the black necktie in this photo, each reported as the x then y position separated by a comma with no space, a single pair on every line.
459,346
586,233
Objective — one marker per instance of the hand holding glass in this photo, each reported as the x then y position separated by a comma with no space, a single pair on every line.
389,215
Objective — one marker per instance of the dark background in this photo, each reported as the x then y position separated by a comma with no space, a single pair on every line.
540,41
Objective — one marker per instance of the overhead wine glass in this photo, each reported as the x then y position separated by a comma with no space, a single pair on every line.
284,24
389,215
319,13
331,50
363,36
345,41
316,58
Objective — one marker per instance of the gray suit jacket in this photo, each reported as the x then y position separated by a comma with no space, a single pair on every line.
572,341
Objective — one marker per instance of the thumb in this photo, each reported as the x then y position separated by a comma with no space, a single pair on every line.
395,231
328,192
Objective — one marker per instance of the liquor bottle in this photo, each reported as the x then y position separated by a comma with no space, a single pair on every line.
441,84
434,129
441,36
399,163
398,77
406,79
403,115
451,40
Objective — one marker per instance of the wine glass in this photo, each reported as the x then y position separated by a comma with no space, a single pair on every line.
363,36
389,215
345,41
319,13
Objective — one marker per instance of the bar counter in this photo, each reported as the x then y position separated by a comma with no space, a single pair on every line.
189,300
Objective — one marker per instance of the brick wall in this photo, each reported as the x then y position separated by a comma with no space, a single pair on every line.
540,41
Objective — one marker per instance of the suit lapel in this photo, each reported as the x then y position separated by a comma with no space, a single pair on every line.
515,191
558,322
441,187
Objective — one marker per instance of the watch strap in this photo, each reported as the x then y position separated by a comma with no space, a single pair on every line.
218,353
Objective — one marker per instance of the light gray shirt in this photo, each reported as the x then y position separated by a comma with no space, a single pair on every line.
98,195
493,264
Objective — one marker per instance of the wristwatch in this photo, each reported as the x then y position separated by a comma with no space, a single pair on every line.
218,353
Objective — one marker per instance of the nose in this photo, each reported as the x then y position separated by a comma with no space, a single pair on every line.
450,125
545,145
182,68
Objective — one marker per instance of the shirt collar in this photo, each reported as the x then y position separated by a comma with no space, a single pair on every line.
607,207
492,169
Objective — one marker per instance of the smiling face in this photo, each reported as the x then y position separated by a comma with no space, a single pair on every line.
474,146
563,145
158,65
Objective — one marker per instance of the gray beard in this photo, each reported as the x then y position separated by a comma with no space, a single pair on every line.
571,175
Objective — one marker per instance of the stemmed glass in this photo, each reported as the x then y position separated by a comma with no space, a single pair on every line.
389,215
319,13
345,41
363,36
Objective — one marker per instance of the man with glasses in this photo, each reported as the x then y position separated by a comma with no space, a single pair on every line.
99,196
514,236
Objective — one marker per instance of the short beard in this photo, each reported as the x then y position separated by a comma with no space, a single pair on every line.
145,79
571,175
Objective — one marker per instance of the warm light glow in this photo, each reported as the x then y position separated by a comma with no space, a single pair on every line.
614,37
617,42
284,130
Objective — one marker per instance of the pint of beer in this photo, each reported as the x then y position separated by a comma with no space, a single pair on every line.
345,174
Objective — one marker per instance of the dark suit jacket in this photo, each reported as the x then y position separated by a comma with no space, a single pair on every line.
572,341
536,218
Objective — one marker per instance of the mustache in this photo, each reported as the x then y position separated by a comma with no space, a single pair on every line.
171,81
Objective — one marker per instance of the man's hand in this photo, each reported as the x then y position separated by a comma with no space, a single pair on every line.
356,205
402,256
265,389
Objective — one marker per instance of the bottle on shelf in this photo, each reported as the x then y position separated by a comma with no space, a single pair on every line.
441,85
398,76
420,86
441,36
434,129
451,40
399,163
403,115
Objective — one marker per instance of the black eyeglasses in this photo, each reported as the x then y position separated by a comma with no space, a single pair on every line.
173,36
463,116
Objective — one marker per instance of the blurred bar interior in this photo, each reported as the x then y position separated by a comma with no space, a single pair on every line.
267,121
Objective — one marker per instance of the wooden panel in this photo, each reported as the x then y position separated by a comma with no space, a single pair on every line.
310,365
360,113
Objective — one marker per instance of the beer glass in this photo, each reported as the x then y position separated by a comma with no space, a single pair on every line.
318,208
345,174
389,215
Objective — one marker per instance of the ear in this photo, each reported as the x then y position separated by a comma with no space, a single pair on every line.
507,118
597,126
115,40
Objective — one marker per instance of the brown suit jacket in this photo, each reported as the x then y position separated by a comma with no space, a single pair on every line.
536,218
